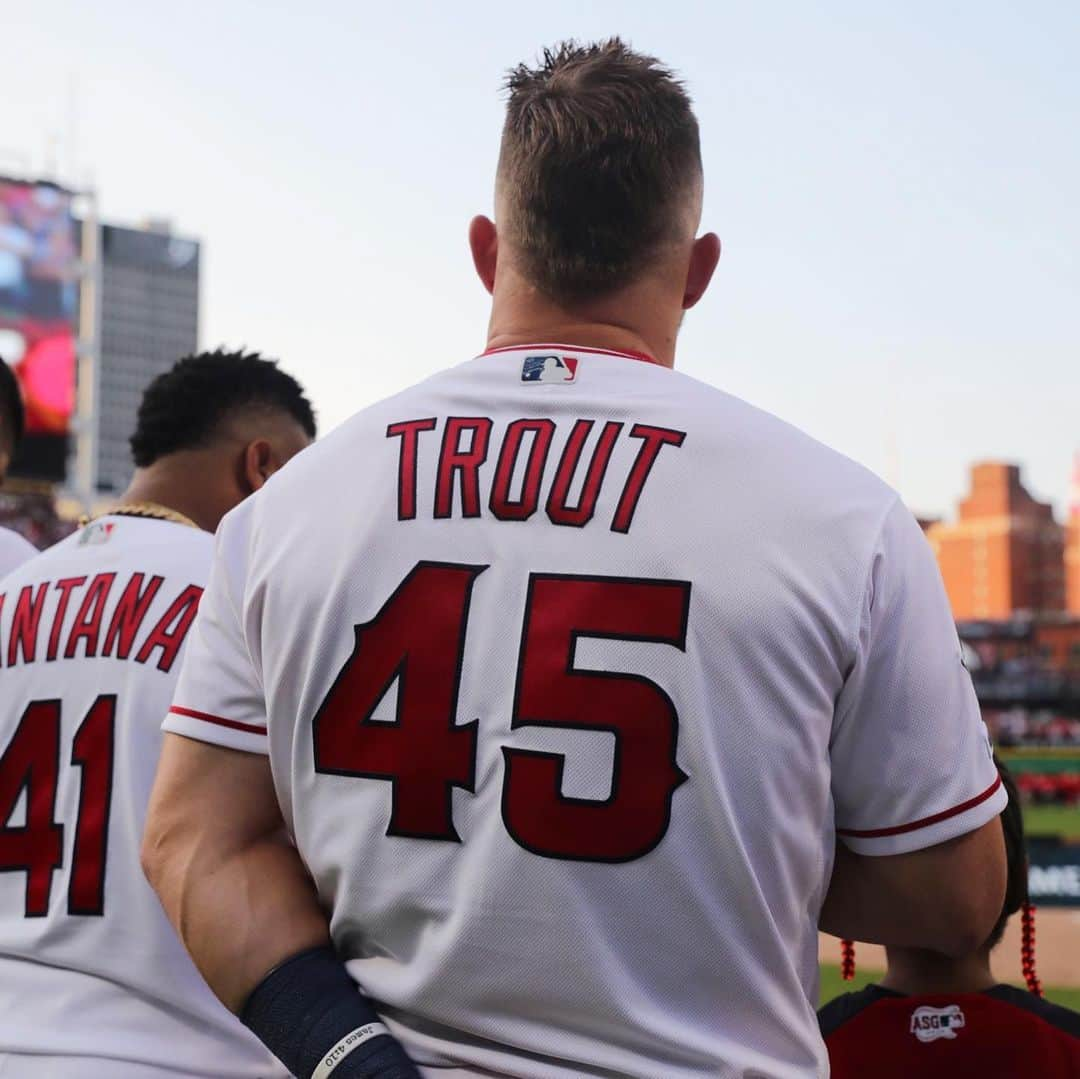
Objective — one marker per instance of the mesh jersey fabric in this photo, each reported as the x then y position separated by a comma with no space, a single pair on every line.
508,549
1002,1033
91,972
38,1066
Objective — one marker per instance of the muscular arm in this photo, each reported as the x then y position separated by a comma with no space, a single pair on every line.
945,898
214,850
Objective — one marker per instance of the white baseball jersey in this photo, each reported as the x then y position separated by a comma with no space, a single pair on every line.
91,634
14,551
570,669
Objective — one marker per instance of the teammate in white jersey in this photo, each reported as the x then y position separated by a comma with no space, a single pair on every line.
93,981
14,550
565,671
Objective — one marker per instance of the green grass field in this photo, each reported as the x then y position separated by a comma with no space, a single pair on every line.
832,986
1052,820
1049,760
1042,758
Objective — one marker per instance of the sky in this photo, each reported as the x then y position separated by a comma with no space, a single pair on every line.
895,186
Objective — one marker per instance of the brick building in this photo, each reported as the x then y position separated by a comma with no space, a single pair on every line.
1072,545
1005,551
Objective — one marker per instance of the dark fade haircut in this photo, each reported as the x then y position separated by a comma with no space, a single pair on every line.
12,412
184,408
600,151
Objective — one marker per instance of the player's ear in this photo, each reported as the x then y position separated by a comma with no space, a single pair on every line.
484,245
258,465
704,256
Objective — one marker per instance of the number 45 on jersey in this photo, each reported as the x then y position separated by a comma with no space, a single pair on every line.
418,640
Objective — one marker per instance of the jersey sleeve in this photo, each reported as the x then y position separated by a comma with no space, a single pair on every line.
911,759
219,696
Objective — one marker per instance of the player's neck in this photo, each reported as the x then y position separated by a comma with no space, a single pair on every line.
178,485
915,971
631,321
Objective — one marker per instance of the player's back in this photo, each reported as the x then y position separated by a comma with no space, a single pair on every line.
90,638
551,647
1000,1033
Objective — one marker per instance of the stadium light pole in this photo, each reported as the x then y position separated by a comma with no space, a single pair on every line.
88,353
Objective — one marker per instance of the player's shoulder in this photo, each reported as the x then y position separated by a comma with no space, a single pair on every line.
427,397
773,441
118,544
718,418
14,541
40,566
785,475
1064,1019
319,466
847,1006
142,538
779,468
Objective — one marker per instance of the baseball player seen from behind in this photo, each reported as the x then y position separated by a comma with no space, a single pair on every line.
564,672
93,981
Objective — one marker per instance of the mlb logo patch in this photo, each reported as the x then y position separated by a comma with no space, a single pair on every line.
549,368
97,533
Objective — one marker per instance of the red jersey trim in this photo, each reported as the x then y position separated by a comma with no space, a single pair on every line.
206,717
643,356
924,822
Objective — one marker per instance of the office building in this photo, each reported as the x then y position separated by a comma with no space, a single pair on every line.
149,318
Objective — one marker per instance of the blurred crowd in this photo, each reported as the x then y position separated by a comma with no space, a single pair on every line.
33,515
1032,727
1040,780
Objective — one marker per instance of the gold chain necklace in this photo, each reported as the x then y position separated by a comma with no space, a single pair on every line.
154,510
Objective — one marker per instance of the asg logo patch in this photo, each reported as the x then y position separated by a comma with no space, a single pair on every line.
929,1024
549,368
